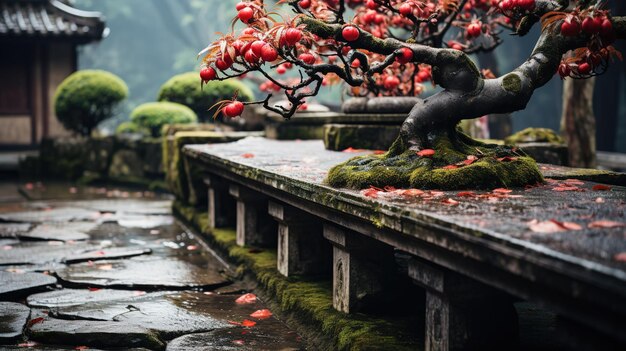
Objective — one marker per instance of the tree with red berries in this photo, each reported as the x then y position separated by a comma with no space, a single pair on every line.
391,47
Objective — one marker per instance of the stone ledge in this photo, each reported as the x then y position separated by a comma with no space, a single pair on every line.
306,301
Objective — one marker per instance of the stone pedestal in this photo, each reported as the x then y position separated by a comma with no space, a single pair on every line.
221,206
359,267
254,226
462,314
302,249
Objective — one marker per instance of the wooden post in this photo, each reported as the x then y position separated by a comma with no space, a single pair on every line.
254,225
221,206
301,247
359,266
461,313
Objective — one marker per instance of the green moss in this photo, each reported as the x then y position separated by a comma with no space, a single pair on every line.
534,135
129,127
308,300
512,82
406,169
186,89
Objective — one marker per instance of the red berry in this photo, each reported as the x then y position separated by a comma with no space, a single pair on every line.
281,69
257,47
607,27
405,9
356,63
307,58
234,109
303,107
474,30
292,36
570,28
245,14
391,82
241,5
589,26
369,16
250,57
207,74
305,4
223,63
406,55
268,53
350,33
526,4
584,68
423,76
371,4
238,45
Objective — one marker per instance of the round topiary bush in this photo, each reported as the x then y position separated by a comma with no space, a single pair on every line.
154,115
131,128
88,97
185,89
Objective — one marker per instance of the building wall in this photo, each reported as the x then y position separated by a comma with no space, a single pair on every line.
61,63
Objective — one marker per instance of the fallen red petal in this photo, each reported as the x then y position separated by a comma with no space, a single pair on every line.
351,149
248,323
246,298
621,257
450,167
379,152
94,289
35,321
261,314
247,155
450,202
466,194
601,187
502,191
426,153
566,188
606,224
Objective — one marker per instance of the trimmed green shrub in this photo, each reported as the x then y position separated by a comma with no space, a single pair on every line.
185,89
88,97
131,128
154,115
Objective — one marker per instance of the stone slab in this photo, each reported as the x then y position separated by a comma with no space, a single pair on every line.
17,284
160,313
74,297
42,252
13,318
94,333
107,254
61,214
153,273
12,230
58,231
231,340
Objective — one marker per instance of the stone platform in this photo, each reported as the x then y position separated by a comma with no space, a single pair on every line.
560,245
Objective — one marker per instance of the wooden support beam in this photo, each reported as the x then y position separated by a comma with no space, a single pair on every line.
221,206
254,225
302,249
462,314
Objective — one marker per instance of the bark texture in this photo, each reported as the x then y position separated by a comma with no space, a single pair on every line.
578,124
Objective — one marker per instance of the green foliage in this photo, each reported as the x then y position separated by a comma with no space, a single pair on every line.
154,115
131,128
88,97
186,89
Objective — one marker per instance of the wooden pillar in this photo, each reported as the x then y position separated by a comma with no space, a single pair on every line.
254,225
221,206
302,249
359,267
462,314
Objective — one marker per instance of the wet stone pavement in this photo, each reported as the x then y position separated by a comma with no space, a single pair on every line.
117,271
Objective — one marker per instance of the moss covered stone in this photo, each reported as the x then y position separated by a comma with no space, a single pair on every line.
307,301
459,162
534,135
512,82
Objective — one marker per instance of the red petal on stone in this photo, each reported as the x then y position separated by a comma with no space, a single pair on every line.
246,299
606,224
247,155
426,153
502,191
601,187
248,323
261,314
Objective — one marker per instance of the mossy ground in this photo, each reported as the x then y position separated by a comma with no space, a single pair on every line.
534,135
307,300
494,166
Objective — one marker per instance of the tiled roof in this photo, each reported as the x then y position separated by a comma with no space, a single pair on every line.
49,19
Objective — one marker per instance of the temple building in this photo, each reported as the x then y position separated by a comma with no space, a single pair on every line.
38,49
